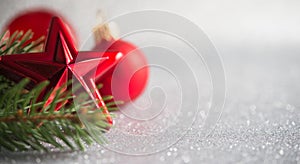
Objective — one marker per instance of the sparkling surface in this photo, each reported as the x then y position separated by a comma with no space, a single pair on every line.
261,119
257,125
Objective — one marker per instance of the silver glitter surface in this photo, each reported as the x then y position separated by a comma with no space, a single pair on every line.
260,124
259,44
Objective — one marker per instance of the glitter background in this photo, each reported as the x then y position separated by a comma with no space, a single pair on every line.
258,42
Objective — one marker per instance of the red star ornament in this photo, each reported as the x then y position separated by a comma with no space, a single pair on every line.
59,63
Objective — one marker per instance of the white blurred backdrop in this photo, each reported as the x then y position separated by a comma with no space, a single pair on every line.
257,40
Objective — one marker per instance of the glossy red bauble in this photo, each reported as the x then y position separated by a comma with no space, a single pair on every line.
130,79
37,20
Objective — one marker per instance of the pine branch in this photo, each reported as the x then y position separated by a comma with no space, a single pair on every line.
28,124
24,130
16,43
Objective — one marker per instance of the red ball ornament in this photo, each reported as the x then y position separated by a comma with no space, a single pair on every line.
131,68
38,21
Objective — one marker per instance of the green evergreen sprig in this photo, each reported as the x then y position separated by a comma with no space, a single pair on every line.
17,43
26,123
